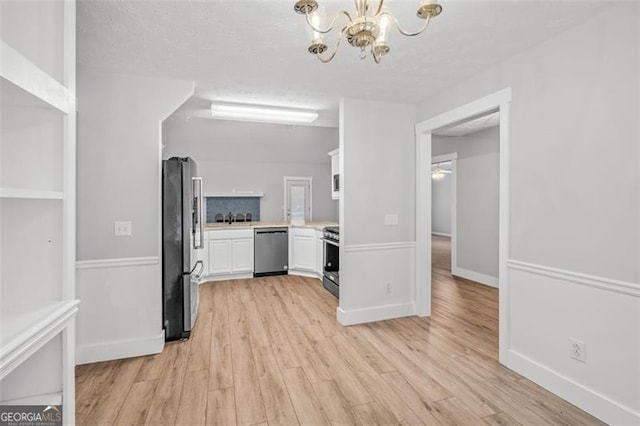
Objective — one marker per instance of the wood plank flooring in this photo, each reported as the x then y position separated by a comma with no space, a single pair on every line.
269,351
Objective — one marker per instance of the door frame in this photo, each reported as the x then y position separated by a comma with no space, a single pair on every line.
287,179
453,205
501,101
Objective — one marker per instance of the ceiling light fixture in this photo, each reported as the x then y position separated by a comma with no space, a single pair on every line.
438,173
363,30
262,114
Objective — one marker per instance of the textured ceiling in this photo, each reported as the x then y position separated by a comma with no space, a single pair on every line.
256,51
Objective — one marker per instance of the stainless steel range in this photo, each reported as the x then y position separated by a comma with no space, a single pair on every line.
331,270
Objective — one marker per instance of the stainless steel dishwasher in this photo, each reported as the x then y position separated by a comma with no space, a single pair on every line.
271,251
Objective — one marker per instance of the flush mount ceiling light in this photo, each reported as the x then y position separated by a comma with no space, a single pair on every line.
364,30
262,114
438,173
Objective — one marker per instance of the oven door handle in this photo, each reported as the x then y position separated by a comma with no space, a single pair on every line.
333,243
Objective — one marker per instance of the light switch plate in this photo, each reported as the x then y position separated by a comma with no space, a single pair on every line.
391,219
122,229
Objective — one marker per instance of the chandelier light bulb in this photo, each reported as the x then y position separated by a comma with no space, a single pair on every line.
367,28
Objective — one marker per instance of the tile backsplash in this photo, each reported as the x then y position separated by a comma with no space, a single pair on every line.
235,205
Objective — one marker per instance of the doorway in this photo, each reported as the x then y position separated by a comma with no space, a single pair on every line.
499,101
297,199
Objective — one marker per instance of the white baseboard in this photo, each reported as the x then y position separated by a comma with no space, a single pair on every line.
241,276
378,313
118,349
44,399
475,276
441,234
307,274
587,399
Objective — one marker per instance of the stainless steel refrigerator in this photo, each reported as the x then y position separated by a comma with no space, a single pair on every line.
182,237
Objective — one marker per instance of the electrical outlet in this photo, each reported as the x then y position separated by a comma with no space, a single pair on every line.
391,219
122,229
577,350
388,288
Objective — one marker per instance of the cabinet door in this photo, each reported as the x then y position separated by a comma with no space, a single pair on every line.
319,254
220,256
242,257
304,256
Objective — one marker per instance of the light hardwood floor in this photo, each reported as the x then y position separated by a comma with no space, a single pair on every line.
269,351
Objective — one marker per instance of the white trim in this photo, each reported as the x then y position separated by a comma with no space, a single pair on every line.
583,397
33,335
616,286
36,194
239,194
500,100
225,277
441,234
54,398
286,195
378,313
463,112
307,274
21,72
352,248
118,349
444,158
117,263
475,276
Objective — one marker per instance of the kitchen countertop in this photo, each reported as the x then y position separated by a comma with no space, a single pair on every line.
250,225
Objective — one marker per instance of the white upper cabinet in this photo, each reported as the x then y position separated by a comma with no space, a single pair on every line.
335,174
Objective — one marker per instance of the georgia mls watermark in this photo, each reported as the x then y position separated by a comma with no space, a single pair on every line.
30,415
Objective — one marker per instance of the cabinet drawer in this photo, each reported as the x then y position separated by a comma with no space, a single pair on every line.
230,234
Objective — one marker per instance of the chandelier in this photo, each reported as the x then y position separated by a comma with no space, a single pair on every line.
365,29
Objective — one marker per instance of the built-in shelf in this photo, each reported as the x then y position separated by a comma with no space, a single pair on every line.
236,194
30,193
23,74
26,327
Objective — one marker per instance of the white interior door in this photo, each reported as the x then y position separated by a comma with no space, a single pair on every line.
297,199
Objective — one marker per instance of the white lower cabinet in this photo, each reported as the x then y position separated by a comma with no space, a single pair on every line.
319,253
305,251
219,257
242,255
229,252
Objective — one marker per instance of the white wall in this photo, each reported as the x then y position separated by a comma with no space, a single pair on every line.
33,29
478,180
256,157
377,149
441,205
118,178
574,253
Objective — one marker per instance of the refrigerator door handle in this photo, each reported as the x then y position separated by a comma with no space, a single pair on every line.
198,263
198,205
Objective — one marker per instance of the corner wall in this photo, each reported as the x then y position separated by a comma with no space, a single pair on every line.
377,148
477,199
573,264
119,279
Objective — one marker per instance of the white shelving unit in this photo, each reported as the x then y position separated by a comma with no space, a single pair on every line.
37,204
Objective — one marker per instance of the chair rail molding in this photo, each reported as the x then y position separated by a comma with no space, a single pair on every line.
117,262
